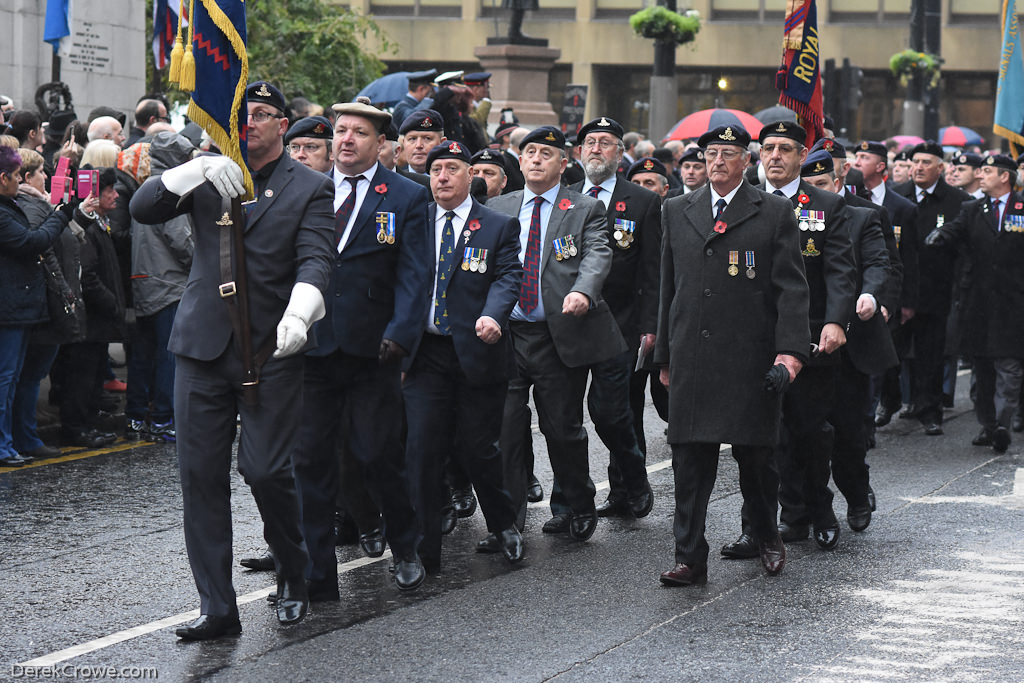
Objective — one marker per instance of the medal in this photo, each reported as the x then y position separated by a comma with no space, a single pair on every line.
391,239
466,234
750,265
618,235
381,237
804,225
896,230
483,261
465,264
734,258
572,247
385,221
474,265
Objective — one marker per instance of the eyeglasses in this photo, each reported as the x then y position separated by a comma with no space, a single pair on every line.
783,149
165,119
308,148
264,116
604,145
725,154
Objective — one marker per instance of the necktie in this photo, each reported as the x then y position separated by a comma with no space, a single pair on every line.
863,193
923,198
995,212
528,291
779,193
720,208
345,210
445,266
594,191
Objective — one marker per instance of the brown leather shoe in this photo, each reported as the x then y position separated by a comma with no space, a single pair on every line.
684,575
773,555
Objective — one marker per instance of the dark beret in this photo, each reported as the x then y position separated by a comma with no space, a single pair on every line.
59,121
646,165
902,156
817,163
264,92
489,156
425,120
692,154
104,110
833,147
391,133
504,129
544,135
828,122
1002,161
725,135
476,78
783,129
310,127
601,125
448,150
928,147
873,147
967,159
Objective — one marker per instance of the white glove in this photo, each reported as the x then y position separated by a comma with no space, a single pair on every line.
224,173
305,307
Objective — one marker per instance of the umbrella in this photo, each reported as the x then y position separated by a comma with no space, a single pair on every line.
958,136
387,90
776,113
904,140
700,122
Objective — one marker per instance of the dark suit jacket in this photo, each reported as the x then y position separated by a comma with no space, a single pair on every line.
631,288
377,291
288,239
993,313
470,294
936,266
719,333
593,337
889,295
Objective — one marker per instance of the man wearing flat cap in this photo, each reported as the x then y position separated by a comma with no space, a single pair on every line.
937,204
633,225
309,143
422,131
991,231
560,327
732,336
420,89
287,257
380,278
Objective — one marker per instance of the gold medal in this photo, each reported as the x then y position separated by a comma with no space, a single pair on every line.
733,270
390,239
558,256
382,237
465,265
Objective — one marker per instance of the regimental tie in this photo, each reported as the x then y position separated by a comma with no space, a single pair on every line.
529,290
445,267
720,209
594,191
345,210
995,211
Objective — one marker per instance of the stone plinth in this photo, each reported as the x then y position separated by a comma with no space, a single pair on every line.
519,79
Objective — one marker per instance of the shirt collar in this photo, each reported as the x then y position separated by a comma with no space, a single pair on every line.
461,211
339,177
728,198
789,189
878,194
267,169
926,190
606,185
550,194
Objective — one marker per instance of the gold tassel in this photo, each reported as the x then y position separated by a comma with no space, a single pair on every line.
174,74
187,77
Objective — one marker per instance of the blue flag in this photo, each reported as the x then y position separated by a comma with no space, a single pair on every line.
57,29
165,27
221,74
1009,119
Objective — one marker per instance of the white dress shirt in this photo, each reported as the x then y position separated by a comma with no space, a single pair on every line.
607,187
458,221
341,189
525,216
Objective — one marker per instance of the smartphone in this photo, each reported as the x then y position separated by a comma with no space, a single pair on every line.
88,183
60,183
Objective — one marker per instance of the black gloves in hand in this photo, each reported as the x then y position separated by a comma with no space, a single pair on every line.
390,352
934,238
68,207
777,379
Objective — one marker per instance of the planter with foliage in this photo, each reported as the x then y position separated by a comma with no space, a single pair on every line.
661,23
909,63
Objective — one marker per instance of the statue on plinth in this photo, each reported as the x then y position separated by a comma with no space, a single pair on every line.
515,25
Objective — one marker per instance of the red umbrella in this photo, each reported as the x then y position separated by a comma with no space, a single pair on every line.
700,122
958,136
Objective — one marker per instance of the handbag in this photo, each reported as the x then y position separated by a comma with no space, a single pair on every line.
61,302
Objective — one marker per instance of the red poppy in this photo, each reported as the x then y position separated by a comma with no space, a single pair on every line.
803,199
720,227
620,206
565,204
381,189
1018,206
473,224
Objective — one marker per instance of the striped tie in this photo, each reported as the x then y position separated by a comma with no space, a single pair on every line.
528,291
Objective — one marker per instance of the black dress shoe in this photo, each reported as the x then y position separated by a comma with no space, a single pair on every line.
534,491
642,505
773,555
489,544
858,516
827,538
743,548
793,532
1000,439
323,590
292,602
42,453
512,544
209,626
372,542
883,416
15,460
559,524
448,520
684,575
933,429
613,506
984,438
871,498
582,525
1017,424
263,563
464,502
409,573
88,439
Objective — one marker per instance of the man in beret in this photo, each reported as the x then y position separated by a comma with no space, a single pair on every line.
616,398
559,328
991,231
309,143
489,164
287,247
420,88
967,173
379,278
900,168
456,374
732,336
937,204
692,170
509,135
650,174
423,130
869,349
